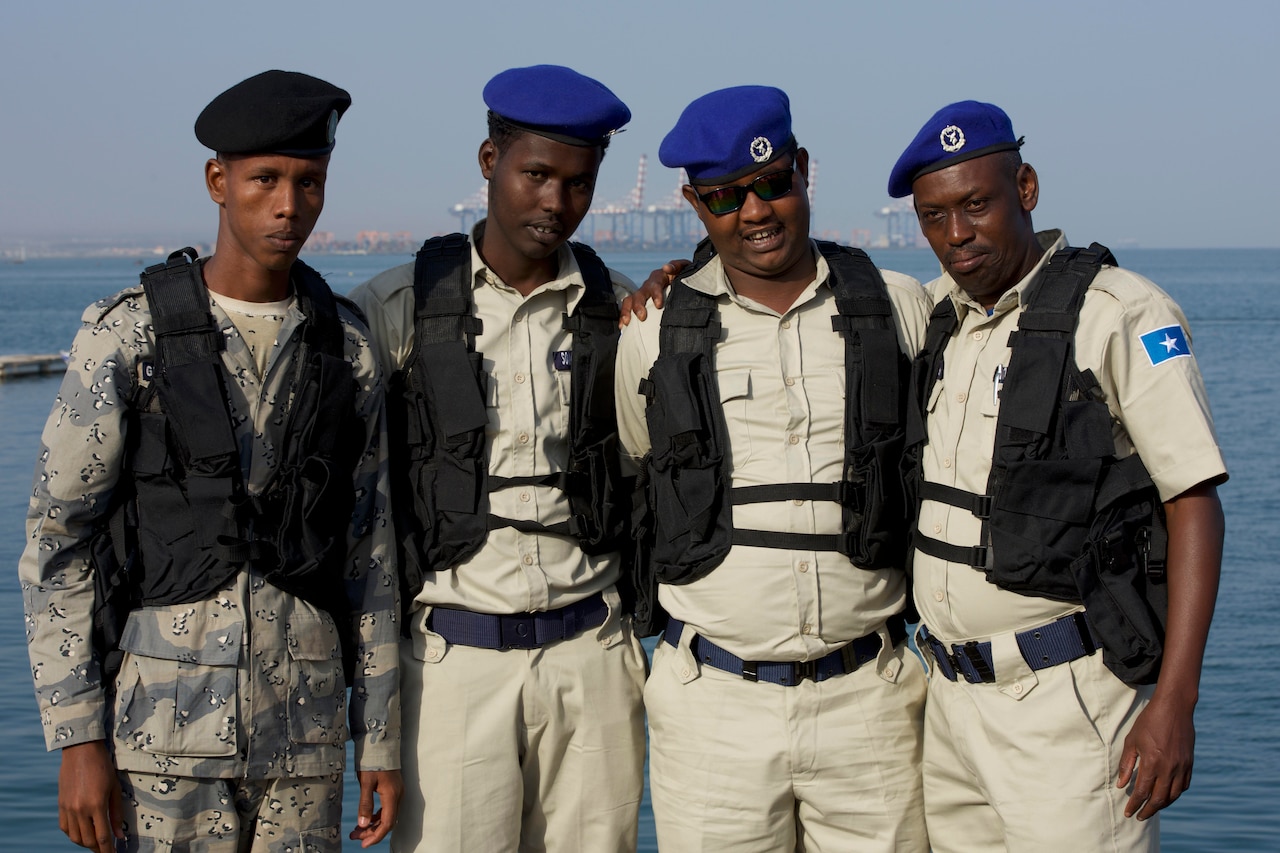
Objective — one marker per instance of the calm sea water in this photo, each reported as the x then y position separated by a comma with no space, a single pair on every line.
1232,298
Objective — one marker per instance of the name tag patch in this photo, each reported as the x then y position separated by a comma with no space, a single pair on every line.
1166,343
563,359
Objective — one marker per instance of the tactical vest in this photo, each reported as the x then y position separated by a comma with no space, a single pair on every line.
437,422
1062,517
186,523
688,471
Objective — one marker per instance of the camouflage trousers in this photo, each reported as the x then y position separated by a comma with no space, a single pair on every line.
179,814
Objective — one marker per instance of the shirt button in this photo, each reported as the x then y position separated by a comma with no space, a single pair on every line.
1017,688
946,463
684,673
937,528
804,566
528,561
977,336
524,496
806,628
798,502
523,438
790,381
961,397
793,439
786,324
938,595
520,378
890,671
432,654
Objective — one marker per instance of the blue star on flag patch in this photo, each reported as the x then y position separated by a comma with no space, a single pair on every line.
1164,344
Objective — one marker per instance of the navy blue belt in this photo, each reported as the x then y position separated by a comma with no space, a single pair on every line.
1061,641
839,662
519,631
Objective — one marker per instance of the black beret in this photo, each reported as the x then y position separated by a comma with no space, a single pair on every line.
275,112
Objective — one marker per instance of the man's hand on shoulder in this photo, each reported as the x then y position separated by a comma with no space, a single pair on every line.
89,800
371,826
653,290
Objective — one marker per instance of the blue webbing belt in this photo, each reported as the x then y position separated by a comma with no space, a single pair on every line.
1061,641
839,662
519,631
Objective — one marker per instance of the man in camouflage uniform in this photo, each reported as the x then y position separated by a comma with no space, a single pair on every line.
227,722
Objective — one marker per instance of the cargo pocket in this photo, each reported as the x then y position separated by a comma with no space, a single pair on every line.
178,700
317,690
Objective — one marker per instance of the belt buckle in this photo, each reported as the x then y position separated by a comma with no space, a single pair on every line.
804,669
517,632
983,672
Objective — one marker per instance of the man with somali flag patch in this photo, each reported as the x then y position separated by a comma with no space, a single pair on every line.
1069,538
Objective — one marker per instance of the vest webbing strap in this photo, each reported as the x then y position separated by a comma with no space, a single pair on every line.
836,492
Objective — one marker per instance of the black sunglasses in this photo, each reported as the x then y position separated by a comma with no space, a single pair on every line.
724,200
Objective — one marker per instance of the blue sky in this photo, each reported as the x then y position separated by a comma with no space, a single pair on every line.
1147,122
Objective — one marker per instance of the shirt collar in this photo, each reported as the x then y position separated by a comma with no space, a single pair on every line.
713,281
568,279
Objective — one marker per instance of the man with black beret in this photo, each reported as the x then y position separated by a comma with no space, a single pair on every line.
521,676
1069,538
207,537
784,704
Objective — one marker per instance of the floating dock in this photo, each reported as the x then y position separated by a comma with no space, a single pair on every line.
13,366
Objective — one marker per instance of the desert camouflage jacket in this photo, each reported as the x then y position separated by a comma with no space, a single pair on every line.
248,683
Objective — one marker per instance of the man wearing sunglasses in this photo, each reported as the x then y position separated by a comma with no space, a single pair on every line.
784,707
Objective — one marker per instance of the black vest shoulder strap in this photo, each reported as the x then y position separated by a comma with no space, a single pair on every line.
865,320
1044,339
188,357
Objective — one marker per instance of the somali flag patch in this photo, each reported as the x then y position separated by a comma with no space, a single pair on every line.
1164,344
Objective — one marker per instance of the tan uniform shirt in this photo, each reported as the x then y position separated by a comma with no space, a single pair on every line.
781,382
1160,410
247,683
528,408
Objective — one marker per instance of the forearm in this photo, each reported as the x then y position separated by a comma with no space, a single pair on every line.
1196,530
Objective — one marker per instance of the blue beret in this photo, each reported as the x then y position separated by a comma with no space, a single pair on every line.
275,112
957,132
558,103
729,133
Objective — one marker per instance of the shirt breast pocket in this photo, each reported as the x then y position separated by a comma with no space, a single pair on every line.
177,689
735,394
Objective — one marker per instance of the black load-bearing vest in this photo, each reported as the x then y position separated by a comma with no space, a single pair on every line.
184,522
437,422
687,474
1062,517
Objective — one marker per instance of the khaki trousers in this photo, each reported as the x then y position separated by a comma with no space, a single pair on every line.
1031,766
514,750
830,767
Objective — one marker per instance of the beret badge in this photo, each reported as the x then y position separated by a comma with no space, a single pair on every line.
952,139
